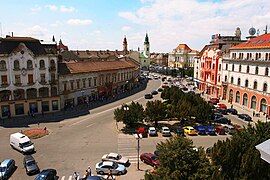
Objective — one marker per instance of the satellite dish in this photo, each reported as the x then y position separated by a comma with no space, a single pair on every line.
252,31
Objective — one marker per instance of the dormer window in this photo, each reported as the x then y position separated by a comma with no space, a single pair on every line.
16,65
29,64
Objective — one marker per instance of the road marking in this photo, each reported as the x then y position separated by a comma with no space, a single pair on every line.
63,178
70,178
90,125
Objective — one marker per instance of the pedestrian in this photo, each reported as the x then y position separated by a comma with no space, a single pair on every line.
253,113
76,176
231,106
110,174
89,170
86,174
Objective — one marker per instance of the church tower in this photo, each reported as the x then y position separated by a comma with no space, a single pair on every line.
146,45
125,48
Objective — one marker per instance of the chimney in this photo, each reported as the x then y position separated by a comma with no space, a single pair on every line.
11,34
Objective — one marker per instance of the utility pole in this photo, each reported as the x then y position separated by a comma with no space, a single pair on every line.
138,137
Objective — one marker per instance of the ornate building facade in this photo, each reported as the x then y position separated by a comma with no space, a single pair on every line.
28,70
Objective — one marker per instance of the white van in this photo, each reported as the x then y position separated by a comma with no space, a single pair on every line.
21,142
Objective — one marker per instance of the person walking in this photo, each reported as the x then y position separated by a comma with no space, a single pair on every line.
76,176
89,170
110,175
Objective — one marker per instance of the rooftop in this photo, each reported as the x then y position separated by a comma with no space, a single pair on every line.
259,42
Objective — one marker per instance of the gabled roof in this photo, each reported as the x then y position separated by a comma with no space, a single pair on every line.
183,47
259,42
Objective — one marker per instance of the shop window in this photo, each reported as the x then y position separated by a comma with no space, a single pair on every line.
19,109
45,106
33,108
253,102
55,105
5,110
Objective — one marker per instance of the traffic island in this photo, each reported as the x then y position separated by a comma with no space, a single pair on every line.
36,133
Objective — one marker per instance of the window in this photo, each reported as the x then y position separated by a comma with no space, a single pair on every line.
16,65
95,81
5,110
256,56
218,78
3,65
226,66
71,85
266,56
240,68
55,105
42,78
4,80
226,78
83,83
233,67
237,97
17,79
219,67
90,82
30,79
33,107
213,66
19,109
264,87
29,64
231,80
78,84
246,83
263,106
253,102
52,77
65,86
256,70
212,77
41,64
255,85
266,71
247,69
245,100
239,82
45,106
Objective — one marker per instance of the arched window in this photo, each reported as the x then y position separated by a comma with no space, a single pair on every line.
41,64
245,100
266,56
233,67
247,69
226,67
226,78
263,105
237,97
266,71
255,85
219,67
3,65
231,80
16,64
29,64
256,70
52,63
264,87
239,82
253,102
240,68
246,83
231,95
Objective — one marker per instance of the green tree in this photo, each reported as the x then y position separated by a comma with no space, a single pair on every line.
238,158
133,114
155,111
179,160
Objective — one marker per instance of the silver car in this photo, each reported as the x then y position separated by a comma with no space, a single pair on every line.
105,167
114,157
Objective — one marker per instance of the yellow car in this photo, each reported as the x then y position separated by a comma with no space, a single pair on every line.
189,130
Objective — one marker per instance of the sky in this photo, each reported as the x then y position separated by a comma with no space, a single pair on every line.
102,24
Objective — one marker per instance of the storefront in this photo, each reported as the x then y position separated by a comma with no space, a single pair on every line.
19,109
33,107
5,110
45,106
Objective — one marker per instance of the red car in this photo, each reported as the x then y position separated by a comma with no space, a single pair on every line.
149,158
214,101
222,106
142,131
220,130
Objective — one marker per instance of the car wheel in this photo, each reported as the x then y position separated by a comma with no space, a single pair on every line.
101,172
119,173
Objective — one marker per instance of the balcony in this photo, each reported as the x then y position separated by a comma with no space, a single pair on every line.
43,82
30,83
16,69
18,84
52,68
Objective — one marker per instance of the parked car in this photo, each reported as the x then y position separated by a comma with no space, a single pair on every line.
229,129
221,111
154,92
21,142
166,131
210,130
104,167
142,131
30,165
245,117
7,167
152,131
220,130
232,111
200,129
189,130
216,116
114,157
149,158
222,106
148,96
47,174
214,101
222,120
179,132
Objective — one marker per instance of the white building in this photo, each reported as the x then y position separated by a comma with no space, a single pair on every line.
28,70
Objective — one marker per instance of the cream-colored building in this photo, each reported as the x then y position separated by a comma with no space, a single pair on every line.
28,70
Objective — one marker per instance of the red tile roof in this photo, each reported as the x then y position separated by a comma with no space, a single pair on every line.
183,47
73,67
259,42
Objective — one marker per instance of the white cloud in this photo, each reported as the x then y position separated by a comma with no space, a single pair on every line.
52,7
126,28
79,22
56,24
35,9
37,31
170,22
67,9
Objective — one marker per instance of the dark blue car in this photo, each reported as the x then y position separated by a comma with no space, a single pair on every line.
200,129
210,130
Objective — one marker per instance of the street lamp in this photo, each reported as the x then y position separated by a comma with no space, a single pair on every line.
138,137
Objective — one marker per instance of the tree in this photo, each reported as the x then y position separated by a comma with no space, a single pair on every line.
238,158
133,114
179,160
155,111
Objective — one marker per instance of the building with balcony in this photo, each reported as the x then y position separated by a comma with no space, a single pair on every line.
182,56
85,81
28,71
246,76
208,67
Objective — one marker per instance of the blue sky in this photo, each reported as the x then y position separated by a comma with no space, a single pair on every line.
102,24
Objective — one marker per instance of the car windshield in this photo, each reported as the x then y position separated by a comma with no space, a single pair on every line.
30,163
154,158
40,177
119,156
26,144
115,165
2,169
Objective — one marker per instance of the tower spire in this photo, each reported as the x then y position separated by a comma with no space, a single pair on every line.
125,44
53,39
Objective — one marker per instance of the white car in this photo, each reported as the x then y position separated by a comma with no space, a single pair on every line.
152,131
105,167
166,131
114,157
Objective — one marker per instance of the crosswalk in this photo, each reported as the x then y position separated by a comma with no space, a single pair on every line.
66,178
127,147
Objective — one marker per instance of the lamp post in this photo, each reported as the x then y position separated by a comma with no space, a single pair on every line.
138,137
126,109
